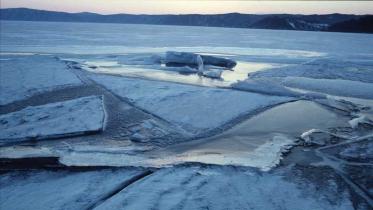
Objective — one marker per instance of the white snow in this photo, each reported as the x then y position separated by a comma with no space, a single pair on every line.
332,86
193,108
23,76
306,135
53,120
53,190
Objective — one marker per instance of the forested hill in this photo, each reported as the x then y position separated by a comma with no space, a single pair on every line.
330,22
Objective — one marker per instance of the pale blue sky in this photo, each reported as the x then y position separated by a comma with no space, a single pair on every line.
195,6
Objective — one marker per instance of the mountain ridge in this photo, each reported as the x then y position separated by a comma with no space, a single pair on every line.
329,22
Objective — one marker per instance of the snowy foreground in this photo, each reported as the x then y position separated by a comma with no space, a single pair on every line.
125,120
181,187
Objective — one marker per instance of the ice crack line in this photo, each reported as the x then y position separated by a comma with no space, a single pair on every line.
120,187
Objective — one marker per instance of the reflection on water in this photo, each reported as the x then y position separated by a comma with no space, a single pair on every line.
243,69
291,119
261,136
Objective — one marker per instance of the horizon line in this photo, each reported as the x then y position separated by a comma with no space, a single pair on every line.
185,14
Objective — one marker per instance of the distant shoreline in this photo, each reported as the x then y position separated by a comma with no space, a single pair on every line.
329,22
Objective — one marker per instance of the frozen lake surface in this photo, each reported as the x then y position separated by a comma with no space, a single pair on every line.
291,124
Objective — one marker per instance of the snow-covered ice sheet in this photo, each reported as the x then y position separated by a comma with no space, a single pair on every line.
332,86
326,68
334,75
211,187
193,108
23,76
53,190
53,120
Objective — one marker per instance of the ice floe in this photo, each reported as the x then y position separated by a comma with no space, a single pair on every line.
78,116
15,152
23,76
193,108
213,73
265,87
332,86
191,59
61,189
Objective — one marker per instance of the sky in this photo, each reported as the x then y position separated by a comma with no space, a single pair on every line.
195,6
